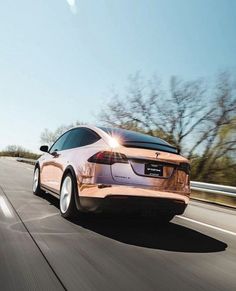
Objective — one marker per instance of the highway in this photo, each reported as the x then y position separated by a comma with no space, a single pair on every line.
39,250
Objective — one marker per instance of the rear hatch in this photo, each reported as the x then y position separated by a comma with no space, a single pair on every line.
141,159
158,169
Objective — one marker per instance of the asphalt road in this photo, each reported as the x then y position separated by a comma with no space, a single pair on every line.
39,250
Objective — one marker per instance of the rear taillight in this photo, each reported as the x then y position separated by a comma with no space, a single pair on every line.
108,158
184,167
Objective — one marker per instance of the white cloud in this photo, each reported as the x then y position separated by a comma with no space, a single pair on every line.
72,4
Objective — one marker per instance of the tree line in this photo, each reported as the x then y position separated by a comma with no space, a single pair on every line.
199,120
18,152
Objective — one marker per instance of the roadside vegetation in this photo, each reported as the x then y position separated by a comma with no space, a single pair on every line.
18,152
198,119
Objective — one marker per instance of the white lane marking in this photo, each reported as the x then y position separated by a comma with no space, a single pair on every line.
207,225
5,209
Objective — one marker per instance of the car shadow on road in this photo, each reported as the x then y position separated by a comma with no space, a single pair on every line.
143,232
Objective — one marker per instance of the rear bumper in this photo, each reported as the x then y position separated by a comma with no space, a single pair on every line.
132,204
118,197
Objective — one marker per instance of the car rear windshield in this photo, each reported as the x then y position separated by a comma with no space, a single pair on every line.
130,138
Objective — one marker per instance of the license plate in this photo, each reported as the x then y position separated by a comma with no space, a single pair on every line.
153,170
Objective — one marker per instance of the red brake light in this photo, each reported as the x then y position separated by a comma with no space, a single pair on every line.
108,158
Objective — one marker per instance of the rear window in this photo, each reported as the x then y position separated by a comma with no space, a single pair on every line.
130,138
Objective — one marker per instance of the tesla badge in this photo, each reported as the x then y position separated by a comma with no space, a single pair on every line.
157,154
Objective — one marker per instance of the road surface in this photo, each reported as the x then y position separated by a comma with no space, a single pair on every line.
39,250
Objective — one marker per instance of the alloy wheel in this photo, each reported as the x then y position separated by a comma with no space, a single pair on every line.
66,193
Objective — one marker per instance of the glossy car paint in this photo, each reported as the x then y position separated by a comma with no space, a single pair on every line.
120,179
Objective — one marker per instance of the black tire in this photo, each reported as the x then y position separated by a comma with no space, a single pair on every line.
37,188
68,209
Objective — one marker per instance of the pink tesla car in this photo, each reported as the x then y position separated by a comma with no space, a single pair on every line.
94,169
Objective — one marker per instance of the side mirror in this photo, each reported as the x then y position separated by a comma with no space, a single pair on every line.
44,148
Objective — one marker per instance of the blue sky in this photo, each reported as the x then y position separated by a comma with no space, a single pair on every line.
58,62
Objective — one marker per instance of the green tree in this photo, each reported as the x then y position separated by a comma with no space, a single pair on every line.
199,120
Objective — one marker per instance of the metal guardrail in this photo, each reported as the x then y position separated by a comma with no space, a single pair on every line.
196,186
213,188
28,161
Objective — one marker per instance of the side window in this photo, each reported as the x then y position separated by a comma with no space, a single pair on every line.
58,145
73,140
89,137
80,137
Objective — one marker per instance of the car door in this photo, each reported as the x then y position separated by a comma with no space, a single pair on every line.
64,156
52,165
77,149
